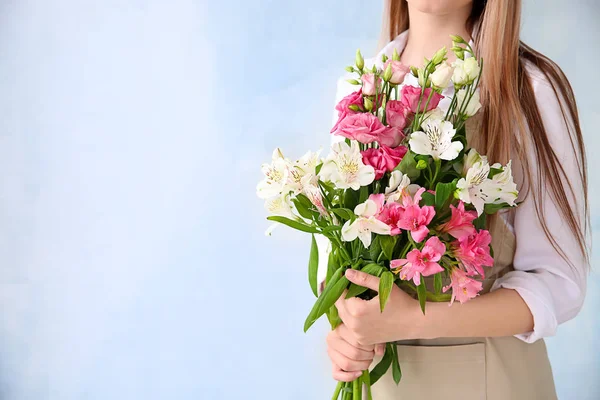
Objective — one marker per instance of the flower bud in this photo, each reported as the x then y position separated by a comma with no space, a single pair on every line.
414,71
374,69
384,58
422,82
459,52
387,74
395,55
439,56
360,61
457,39
353,81
350,68
354,107
421,164
368,104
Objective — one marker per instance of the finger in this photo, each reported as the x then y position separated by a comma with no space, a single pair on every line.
341,300
344,376
380,349
362,279
349,351
346,364
349,337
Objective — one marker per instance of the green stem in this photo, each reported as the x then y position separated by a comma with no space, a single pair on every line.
338,389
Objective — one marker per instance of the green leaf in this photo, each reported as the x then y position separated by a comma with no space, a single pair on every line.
313,265
331,293
422,294
331,228
396,371
427,199
387,245
293,224
303,210
383,365
408,166
494,171
375,248
479,222
386,282
332,265
363,194
437,283
333,317
350,198
442,192
494,208
318,168
344,213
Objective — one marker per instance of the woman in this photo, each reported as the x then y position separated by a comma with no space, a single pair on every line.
491,347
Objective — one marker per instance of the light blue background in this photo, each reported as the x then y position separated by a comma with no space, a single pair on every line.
132,257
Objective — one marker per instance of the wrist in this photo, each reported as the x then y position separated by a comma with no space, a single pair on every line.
424,326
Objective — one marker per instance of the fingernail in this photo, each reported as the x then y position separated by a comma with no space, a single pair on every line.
350,273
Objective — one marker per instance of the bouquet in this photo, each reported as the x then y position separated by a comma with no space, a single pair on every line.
399,196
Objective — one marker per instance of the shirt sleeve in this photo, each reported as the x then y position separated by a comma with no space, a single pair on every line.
553,289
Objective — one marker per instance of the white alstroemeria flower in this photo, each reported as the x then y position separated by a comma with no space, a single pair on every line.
472,107
279,206
505,187
344,167
302,171
366,222
276,176
398,182
435,140
476,188
313,193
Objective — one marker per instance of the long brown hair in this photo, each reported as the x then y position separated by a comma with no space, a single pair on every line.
510,112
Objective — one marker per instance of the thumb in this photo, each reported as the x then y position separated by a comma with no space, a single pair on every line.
362,279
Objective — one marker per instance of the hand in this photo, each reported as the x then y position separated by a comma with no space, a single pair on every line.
349,358
365,321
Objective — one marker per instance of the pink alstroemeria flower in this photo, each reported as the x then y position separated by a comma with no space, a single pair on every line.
415,218
461,222
391,214
463,287
421,262
473,252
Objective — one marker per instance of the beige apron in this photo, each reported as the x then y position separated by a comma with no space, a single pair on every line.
502,368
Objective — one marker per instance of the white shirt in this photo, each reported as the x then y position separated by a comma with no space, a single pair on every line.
552,289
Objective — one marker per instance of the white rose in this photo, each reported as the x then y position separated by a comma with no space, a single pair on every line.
474,104
459,76
471,68
441,76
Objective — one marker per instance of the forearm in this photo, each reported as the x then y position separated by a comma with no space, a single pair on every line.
499,313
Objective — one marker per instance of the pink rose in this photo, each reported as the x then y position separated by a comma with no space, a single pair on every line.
399,71
343,106
396,114
364,127
411,95
391,136
368,87
383,159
